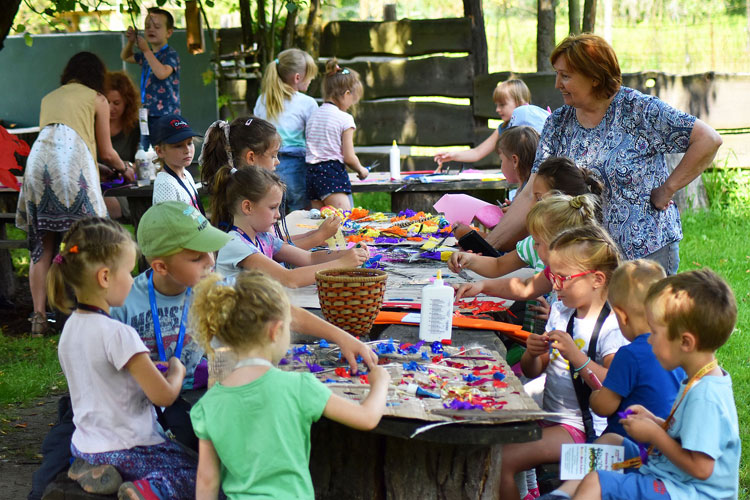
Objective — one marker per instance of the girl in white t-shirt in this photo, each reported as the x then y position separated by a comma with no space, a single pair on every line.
247,201
111,378
581,262
330,140
282,101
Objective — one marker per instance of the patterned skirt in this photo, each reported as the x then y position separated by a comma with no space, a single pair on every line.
60,186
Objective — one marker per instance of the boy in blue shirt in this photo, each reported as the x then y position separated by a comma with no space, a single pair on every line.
696,451
160,73
635,375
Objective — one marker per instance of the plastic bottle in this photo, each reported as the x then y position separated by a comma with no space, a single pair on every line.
142,167
151,155
436,317
395,161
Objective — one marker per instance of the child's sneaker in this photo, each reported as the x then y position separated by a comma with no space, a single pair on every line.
137,490
535,493
98,479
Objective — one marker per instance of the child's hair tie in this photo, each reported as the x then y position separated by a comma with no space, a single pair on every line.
248,122
73,249
58,259
234,169
344,71
276,60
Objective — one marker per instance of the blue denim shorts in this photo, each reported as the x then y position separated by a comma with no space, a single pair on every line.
293,171
668,256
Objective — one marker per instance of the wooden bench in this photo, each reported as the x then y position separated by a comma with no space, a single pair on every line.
7,273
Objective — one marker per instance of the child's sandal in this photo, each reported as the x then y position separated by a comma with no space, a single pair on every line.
98,479
137,490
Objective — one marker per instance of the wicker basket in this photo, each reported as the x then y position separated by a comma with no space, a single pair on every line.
351,298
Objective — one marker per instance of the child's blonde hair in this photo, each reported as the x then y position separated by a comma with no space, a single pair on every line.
522,142
513,89
232,185
557,212
699,302
588,248
279,72
237,312
630,283
337,81
88,244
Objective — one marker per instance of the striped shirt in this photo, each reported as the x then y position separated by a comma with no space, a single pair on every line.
323,132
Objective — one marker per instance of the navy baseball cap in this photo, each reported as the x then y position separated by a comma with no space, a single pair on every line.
171,129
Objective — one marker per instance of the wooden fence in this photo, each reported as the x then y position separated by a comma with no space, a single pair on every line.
401,59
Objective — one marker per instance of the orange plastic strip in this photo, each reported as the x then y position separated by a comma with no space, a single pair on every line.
515,331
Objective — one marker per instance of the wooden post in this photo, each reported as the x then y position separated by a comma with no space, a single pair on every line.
246,20
389,12
196,42
473,10
574,17
545,34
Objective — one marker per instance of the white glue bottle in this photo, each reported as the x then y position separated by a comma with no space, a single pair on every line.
142,169
436,317
395,162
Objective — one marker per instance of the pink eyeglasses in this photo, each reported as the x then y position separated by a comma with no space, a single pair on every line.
558,281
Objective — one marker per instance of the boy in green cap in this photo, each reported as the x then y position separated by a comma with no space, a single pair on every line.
178,241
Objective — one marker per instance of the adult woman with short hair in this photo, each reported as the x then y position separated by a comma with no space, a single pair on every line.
622,135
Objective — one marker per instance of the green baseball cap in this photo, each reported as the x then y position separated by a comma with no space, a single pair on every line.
171,226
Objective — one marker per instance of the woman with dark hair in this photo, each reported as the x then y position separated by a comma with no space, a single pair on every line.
622,136
61,180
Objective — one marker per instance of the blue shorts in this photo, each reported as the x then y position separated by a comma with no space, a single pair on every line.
327,178
293,171
616,486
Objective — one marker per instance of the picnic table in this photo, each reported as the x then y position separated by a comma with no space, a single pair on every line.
417,192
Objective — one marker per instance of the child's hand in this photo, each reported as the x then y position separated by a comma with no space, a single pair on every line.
641,429
329,226
469,290
563,342
537,345
142,44
541,309
355,257
351,347
176,368
362,173
640,411
459,261
442,157
378,376
131,34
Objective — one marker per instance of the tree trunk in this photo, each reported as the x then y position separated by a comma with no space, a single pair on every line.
574,17
246,20
8,11
589,16
473,10
545,34
312,30
265,50
287,36
607,31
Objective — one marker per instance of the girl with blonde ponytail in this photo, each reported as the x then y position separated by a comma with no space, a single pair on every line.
283,103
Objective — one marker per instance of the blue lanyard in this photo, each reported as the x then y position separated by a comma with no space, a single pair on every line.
256,243
157,324
195,200
94,309
146,73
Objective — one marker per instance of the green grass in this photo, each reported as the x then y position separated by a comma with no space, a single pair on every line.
717,240
29,370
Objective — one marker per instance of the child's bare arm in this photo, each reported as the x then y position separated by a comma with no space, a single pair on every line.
304,321
364,416
126,54
350,157
490,267
161,71
207,480
469,155
536,357
160,390
697,464
604,401
518,289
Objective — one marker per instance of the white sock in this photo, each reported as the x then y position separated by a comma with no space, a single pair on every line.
531,479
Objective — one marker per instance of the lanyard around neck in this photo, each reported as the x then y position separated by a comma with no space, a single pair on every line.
192,193
93,309
253,362
146,73
157,323
257,244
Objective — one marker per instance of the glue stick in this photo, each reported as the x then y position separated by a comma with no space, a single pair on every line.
436,317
